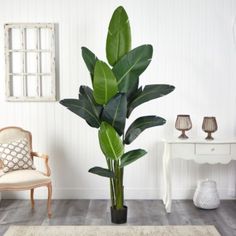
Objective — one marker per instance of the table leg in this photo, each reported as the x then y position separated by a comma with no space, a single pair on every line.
167,178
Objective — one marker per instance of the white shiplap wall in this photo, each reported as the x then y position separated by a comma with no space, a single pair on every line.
193,50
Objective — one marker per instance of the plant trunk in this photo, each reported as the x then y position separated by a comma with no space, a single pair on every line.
118,186
112,193
112,189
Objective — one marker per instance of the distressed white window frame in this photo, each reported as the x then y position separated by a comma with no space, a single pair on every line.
24,73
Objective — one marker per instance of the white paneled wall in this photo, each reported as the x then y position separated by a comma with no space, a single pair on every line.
193,50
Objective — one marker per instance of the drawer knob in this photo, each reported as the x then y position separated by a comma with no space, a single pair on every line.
213,149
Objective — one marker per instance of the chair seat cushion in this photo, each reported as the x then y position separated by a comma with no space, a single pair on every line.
22,179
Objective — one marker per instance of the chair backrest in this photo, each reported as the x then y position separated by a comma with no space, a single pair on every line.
11,134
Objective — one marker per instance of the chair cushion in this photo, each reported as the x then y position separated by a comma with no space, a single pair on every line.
15,156
22,179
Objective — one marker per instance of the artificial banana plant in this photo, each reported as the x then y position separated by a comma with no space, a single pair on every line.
115,93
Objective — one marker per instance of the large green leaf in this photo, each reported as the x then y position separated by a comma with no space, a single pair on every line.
110,142
118,37
140,124
102,172
148,93
89,59
86,93
104,83
132,91
83,109
131,156
115,112
128,69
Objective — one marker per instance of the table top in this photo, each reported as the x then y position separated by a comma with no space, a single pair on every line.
200,140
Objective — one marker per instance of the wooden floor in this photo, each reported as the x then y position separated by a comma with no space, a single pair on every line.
97,212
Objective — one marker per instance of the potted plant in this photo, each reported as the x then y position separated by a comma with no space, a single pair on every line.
114,95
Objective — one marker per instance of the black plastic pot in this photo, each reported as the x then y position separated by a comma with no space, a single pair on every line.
119,216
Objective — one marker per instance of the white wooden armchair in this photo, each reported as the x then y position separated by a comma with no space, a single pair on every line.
24,179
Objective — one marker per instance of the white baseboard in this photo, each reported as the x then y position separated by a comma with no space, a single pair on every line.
83,193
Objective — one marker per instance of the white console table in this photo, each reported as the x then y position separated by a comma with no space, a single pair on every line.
201,151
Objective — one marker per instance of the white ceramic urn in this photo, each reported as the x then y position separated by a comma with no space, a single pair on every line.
206,195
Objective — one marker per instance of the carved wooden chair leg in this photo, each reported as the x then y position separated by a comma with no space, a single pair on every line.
32,198
49,199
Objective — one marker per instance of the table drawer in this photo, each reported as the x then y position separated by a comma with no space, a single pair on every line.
212,149
182,150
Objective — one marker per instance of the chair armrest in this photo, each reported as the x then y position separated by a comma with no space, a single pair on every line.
45,158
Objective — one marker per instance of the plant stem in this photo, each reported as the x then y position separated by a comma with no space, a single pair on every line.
121,185
118,186
122,174
109,164
112,193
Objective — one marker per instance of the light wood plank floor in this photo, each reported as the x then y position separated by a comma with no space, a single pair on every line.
97,212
